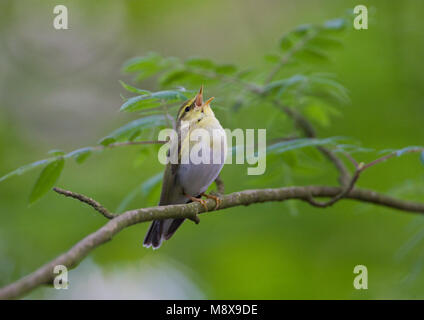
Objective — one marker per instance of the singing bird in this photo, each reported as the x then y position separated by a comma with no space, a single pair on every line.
187,181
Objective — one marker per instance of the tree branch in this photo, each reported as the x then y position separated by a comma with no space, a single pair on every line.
309,131
79,251
345,191
91,202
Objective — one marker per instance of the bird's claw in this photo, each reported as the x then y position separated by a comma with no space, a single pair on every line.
201,201
217,199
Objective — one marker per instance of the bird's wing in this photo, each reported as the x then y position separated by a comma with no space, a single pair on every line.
172,192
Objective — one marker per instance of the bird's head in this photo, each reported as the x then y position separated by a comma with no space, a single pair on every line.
195,109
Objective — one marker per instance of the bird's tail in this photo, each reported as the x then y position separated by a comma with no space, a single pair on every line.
161,230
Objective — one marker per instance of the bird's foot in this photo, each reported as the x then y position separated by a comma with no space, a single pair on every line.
210,196
201,201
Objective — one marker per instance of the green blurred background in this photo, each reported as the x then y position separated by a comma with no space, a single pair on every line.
59,89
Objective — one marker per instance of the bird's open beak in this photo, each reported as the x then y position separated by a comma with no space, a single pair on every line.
209,101
199,98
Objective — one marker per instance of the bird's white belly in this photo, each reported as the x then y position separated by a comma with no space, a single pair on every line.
196,178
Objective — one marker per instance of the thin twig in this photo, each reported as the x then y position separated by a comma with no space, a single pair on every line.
309,131
347,189
91,202
359,168
351,159
391,155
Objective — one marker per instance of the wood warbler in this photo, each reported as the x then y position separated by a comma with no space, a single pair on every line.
184,182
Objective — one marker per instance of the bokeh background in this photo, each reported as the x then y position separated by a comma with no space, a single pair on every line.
59,89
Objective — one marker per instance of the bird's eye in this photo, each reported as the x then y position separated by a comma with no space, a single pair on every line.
187,109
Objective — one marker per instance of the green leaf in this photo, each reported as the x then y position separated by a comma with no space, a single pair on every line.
272,58
281,147
173,76
135,135
290,39
140,63
107,141
169,95
325,43
284,83
317,113
302,30
152,100
286,43
291,159
139,103
56,152
226,69
311,55
273,86
47,179
201,63
422,157
133,89
26,168
148,65
80,155
246,74
335,24
323,83
181,76
127,131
